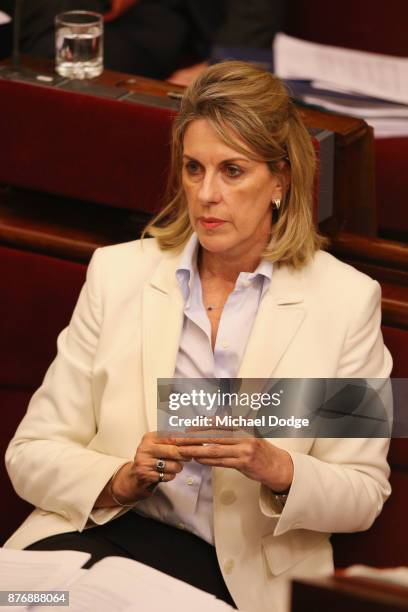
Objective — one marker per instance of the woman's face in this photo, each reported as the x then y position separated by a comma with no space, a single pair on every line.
229,196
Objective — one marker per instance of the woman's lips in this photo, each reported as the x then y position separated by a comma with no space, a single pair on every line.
211,223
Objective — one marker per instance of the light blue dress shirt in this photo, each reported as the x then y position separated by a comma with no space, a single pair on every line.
186,502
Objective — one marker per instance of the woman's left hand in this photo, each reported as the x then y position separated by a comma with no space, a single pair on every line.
256,458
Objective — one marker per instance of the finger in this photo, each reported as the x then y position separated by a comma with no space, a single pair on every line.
212,451
170,467
227,462
165,451
160,437
155,477
196,441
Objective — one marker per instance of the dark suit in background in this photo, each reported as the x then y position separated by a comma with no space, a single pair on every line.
155,37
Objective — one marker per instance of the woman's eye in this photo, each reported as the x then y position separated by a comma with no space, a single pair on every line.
192,167
233,171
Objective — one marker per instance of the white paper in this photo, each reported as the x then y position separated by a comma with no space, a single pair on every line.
115,584
4,18
388,128
31,570
26,570
382,76
355,108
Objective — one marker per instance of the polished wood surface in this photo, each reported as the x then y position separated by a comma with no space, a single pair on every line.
375,250
346,595
63,227
384,260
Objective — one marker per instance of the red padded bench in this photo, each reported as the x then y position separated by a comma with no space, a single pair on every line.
38,297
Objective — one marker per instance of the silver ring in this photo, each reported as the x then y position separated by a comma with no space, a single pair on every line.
161,476
160,465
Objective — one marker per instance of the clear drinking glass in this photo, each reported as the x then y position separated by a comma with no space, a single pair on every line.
79,44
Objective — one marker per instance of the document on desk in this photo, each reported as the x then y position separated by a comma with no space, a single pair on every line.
115,584
4,18
30,570
373,74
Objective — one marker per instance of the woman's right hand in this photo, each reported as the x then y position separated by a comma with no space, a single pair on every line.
136,480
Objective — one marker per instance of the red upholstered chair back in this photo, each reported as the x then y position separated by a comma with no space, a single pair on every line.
38,296
391,185
386,543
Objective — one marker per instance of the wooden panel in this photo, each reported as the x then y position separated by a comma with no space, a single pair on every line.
346,595
384,260
71,229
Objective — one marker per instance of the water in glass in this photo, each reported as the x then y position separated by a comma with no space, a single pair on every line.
79,50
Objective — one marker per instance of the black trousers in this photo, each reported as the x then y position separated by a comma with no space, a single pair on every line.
173,551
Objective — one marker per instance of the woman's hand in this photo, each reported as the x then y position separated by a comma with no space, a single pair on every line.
254,457
132,481
184,76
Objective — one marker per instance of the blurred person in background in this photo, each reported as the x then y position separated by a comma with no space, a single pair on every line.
154,38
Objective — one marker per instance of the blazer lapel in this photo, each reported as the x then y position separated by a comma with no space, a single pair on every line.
162,321
278,320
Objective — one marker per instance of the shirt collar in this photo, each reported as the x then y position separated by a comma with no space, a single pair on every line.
187,268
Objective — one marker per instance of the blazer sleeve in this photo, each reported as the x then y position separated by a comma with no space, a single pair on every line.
342,484
48,460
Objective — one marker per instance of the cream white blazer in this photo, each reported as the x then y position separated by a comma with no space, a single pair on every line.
99,397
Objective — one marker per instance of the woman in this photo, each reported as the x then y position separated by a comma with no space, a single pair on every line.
232,284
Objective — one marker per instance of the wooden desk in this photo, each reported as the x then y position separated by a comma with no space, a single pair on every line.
353,180
384,260
346,595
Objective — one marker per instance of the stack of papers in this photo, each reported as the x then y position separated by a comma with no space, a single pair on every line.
115,584
4,18
367,85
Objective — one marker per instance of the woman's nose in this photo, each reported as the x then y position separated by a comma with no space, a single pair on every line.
209,192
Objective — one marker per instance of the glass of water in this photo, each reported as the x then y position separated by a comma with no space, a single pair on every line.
79,44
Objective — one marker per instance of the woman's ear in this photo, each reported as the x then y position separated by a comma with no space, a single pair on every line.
283,181
285,174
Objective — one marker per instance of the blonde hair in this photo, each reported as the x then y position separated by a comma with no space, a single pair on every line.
239,98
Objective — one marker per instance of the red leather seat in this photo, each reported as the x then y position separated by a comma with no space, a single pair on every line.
38,296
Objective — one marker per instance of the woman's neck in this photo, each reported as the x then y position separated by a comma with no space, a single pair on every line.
214,265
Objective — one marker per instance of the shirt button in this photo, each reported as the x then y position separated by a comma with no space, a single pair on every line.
190,480
228,497
225,344
245,283
181,525
229,566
